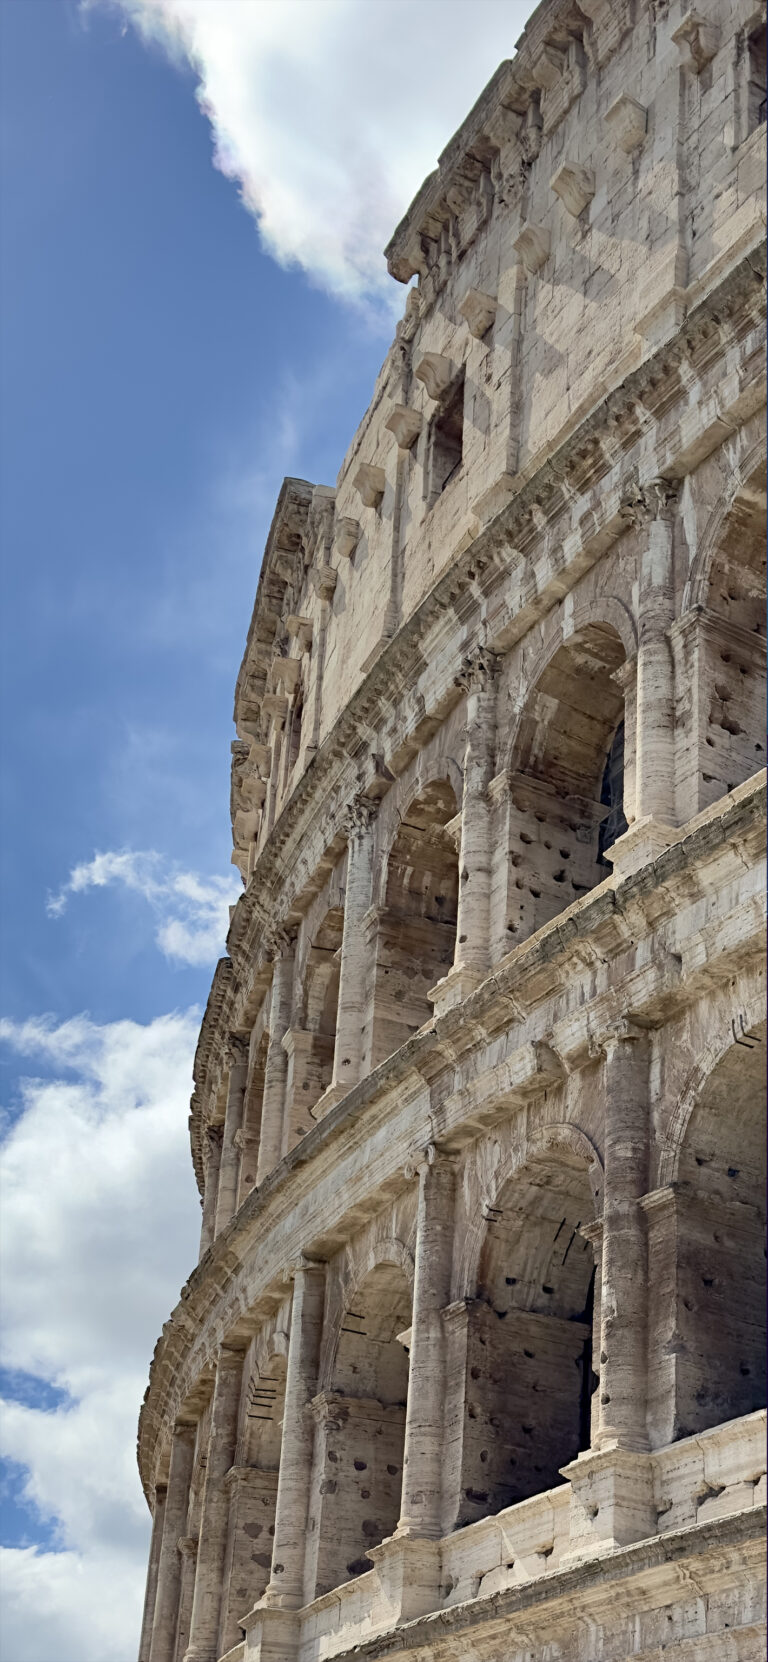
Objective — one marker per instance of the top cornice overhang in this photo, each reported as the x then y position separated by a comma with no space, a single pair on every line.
473,145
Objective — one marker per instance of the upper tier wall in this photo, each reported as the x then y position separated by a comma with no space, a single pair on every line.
604,182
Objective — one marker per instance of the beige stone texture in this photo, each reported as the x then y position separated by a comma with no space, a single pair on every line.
472,1365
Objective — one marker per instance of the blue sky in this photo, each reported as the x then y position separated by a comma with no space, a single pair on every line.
175,339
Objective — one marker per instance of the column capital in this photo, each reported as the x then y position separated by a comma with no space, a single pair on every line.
280,942
423,1160
303,1265
187,1546
230,1357
658,1201
642,504
477,671
620,1030
359,816
237,1048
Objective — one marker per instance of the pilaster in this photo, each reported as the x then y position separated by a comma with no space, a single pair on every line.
276,1068
206,1606
229,1165
624,1279
286,1584
169,1565
424,1426
158,1515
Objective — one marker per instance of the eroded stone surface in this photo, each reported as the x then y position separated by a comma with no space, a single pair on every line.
472,1364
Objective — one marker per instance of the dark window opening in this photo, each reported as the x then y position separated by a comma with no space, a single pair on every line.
447,439
612,796
756,89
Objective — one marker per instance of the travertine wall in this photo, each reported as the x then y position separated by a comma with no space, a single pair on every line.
473,1360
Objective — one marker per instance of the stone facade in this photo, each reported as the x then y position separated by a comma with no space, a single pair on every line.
472,1364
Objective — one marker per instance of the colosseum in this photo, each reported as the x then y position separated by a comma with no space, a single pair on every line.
472,1365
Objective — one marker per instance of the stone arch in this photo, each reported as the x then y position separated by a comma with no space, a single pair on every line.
544,1139
360,1264
521,1340
698,583
719,645
707,1255
415,920
750,1015
360,1422
566,766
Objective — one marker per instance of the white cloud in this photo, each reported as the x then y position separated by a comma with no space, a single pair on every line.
99,1225
330,113
193,910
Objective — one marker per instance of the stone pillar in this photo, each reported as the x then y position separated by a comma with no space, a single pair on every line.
355,963
286,1583
655,737
624,1290
154,1564
210,1198
187,1546
276,1068
473,927
229,1164
169,1569
206,1605
424,1425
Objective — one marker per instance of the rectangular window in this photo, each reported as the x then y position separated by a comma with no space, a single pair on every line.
756,92
446,439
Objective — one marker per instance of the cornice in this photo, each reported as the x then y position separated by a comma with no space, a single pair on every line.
525,99
588,456
595,929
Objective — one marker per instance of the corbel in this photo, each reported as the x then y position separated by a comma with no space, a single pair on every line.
533,244
478,310
370,482
406,425
627,122
435,373
575,186
347,536
300,628
697,41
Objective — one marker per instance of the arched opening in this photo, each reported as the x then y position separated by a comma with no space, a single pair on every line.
253,1497
723,644
251,1127
310,1045
712,1242
360,1433
297,713
417,927
522,1383
566,786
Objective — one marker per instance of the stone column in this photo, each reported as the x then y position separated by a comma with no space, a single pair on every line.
154,1564
276,1068
187,1546
206,1604
473,927
169,1569
624,1289
229,1164
210,1198
354,978
286,1583
655,737
424,1424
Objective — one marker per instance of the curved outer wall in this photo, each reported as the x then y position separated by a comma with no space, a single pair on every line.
472,1364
